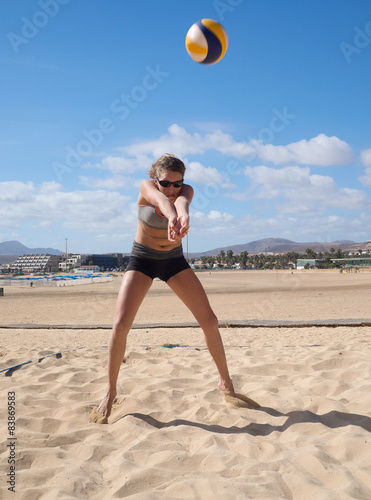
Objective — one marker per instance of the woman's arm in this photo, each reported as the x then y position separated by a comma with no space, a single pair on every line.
181,205
150,193
184,200
177,213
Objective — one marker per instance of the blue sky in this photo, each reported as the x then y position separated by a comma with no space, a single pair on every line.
276,136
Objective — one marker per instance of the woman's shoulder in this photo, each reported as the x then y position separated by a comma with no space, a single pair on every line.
147,182
187,191
145,186
188,187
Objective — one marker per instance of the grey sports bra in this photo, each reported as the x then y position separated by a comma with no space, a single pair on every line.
151,217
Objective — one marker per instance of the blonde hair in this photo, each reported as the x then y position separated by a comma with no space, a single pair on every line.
166,162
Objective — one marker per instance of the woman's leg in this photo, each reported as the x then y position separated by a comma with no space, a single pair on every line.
189,289
133,289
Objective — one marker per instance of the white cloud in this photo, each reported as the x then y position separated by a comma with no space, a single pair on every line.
321,151
111,183
287,176
306,194
196,172
15,192
178,142
121,164
181,143
366,179
325,228
203,223
225,144
366,161
366,157
86,211
216,216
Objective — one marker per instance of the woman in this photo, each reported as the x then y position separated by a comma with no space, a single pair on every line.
163,221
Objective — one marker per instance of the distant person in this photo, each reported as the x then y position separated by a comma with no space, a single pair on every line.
163,221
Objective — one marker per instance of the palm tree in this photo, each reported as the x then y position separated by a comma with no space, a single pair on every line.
243,259
230,257
311,253
221,257
257,261
327,257
211,261
292,257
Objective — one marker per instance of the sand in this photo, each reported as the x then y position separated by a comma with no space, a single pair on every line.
171,434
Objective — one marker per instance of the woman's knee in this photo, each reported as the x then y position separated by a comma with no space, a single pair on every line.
209,321
121,326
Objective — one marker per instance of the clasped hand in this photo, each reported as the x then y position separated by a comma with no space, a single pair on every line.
178,227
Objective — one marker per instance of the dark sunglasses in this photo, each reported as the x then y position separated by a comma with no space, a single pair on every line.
166,184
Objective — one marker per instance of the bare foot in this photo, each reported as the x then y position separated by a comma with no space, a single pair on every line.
100,414
226,386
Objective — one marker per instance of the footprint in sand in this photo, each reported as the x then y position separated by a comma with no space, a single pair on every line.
97,417
240,400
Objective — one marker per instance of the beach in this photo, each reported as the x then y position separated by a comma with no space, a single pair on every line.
297,342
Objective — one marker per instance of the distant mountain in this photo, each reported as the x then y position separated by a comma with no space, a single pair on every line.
344,242
258,246
282,245
7,259
16,248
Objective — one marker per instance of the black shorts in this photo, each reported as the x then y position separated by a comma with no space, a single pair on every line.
157,263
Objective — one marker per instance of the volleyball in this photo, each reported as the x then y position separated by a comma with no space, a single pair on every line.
206,41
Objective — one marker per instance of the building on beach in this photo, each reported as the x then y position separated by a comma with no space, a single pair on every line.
37,262
87,268
301,263
354,261
364,261
70,262
109,261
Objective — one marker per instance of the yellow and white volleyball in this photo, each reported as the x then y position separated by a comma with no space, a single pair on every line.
206,41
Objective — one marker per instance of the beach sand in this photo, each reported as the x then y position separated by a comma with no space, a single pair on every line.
171,433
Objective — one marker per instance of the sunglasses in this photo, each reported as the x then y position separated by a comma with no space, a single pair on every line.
166,184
